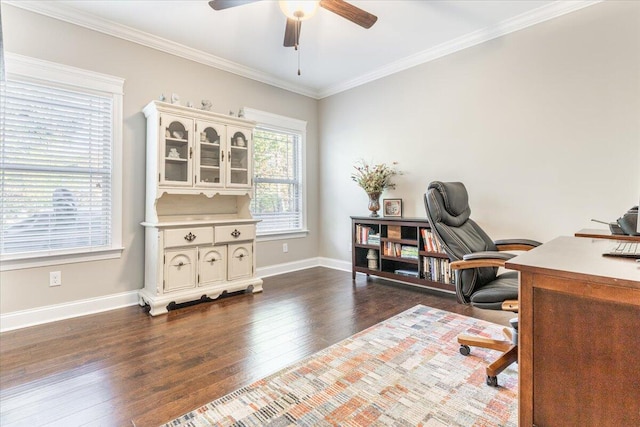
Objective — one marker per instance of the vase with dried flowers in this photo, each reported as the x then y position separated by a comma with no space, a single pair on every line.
374,180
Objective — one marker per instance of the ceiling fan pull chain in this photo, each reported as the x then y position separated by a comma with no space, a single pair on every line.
297,46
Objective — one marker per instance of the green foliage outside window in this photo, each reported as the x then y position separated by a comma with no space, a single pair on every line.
277,200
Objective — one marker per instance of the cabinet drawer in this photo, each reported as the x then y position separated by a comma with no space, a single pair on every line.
234,233
188,236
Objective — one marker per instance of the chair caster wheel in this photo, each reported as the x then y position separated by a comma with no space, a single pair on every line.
465,350
492,381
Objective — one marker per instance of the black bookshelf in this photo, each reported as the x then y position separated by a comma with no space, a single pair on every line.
403,250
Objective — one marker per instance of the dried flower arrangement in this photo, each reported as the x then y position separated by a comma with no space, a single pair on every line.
374,179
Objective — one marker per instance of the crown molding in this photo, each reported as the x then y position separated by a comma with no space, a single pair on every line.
73,16
536,16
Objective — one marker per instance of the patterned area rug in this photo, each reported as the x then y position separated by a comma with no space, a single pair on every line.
405,371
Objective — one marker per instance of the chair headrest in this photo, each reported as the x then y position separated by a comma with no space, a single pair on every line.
453,198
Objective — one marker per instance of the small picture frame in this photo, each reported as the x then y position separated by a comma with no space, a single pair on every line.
392,207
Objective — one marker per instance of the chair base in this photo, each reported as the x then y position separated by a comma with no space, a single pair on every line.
507,347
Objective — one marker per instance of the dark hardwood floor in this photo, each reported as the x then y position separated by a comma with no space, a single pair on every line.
124,367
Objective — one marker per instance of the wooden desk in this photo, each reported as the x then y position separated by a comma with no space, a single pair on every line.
579,333
596,233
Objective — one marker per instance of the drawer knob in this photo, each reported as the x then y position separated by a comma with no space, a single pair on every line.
235,233
240,256
190,237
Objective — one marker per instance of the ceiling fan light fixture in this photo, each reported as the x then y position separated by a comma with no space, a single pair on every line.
300,10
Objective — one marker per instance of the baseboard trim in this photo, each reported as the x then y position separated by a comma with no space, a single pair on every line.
335,264
287,267
52,313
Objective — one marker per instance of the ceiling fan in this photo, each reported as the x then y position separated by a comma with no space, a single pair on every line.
298,11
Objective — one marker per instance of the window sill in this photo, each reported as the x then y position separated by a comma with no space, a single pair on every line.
297,234
40,260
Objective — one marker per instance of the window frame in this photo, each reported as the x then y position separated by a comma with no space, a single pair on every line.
286,124
37,71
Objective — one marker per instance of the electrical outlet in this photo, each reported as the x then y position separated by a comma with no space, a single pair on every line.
55,278
285,248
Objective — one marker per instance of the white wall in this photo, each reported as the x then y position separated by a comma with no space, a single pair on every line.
148,73
542,126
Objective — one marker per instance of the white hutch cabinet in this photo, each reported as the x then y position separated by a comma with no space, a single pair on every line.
199,233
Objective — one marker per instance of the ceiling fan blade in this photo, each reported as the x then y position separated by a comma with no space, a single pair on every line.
350,12
226,4
291,33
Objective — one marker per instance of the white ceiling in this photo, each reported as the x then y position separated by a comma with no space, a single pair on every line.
335,54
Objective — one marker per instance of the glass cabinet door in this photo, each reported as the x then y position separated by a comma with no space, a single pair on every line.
239,157
210,138
176,151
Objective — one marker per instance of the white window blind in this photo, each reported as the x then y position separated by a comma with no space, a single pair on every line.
56,166
277,198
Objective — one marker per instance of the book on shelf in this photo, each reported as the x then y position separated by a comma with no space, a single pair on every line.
437,270
402,272
392,249
366,235
430,243
409,252
388,249
400,251
374,239
394,232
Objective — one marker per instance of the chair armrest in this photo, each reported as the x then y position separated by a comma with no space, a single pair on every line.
488,255
516,244
510,305
482,259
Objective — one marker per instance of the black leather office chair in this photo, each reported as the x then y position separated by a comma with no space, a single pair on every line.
475,258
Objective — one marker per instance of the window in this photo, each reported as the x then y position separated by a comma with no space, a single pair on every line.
60,161
278,173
